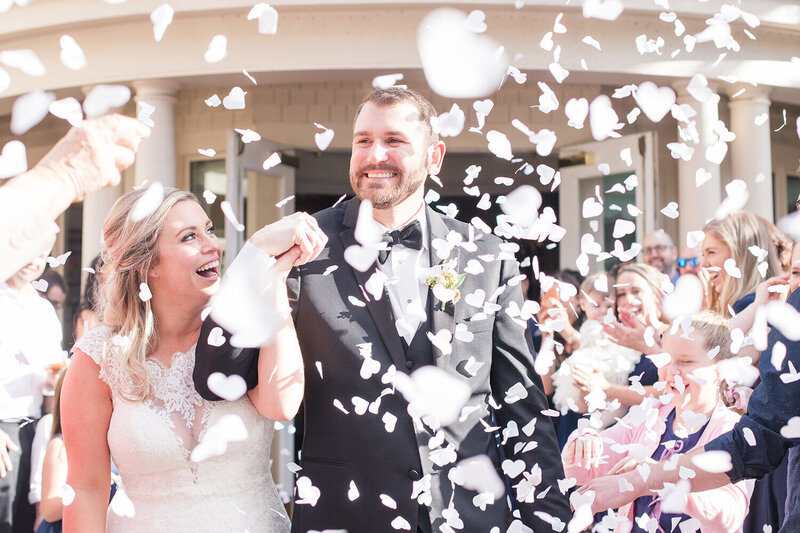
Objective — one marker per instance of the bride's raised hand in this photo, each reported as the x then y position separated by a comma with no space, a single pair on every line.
298,229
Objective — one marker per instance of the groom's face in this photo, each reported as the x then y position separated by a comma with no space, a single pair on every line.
392,154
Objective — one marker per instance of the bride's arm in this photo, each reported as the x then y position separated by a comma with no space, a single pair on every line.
85,416
280,364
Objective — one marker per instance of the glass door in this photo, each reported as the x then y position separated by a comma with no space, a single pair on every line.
606,200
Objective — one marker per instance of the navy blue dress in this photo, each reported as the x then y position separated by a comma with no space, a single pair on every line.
767,504
648,504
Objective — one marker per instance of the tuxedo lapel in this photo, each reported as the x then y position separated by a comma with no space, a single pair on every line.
440,318
379,310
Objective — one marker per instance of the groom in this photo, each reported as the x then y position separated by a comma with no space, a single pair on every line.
380,469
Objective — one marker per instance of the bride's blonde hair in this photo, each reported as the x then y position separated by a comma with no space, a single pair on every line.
129,251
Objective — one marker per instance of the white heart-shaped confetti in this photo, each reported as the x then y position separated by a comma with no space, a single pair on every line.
323,139
230,388
457,62
71,54
307,493
671,210
148,202
235,99
13,159
215,337
144,292
103,98
217,49
29,109
68,109
655,101
476,21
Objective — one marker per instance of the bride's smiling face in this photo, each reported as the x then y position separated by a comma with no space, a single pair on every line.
188,257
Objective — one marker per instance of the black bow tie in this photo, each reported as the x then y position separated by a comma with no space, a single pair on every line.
409,236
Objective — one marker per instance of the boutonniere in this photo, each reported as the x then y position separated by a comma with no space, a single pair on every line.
444,281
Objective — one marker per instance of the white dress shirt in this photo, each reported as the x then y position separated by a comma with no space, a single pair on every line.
406,270
30,339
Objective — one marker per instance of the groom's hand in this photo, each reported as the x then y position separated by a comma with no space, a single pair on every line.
299,229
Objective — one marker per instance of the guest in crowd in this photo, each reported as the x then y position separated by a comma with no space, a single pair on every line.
56,291
30,356
639,293
86,313
731,268
660,252
595,352
689,261
54,471
794,272
688,414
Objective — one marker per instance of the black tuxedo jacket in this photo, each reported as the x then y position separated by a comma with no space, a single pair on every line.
341,448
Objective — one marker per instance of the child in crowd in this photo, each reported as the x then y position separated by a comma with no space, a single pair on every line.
688,414
54,472
595,352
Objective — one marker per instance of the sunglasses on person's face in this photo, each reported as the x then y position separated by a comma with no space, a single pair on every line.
683,261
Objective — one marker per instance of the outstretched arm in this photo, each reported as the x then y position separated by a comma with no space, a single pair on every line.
277,365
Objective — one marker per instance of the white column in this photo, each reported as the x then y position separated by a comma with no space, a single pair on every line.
751,151
95,209
697,204
155,160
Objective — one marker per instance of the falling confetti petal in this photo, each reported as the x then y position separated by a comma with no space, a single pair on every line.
29,109
148,202
217,49
229,388
457,62
103,98
385,81
13,159
144,292
323,138
227,210
161,17
25,60
267,18
234,100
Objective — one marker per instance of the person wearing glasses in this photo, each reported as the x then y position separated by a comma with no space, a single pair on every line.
660,252
688,261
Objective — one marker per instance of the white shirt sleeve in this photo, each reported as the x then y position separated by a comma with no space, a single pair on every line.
43,430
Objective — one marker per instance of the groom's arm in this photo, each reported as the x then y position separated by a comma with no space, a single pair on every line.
228,359
512,364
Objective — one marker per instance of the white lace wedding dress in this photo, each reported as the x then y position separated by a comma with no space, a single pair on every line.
151,443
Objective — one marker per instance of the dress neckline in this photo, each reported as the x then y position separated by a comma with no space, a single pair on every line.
175,356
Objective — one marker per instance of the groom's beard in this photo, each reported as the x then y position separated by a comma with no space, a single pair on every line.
384,196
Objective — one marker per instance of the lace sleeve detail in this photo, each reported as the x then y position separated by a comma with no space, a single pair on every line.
96,343
93,341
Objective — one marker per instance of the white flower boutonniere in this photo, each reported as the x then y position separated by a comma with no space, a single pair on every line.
444,281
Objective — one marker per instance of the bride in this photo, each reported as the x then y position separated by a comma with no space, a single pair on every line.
129,394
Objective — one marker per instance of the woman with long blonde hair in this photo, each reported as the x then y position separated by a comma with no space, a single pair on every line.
738,254
186,465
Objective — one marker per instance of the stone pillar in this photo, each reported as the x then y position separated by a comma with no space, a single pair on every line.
751,151
697,204
95,209
155,160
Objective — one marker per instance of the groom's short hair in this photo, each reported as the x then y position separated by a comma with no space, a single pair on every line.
398,95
